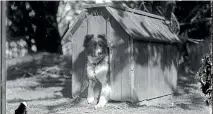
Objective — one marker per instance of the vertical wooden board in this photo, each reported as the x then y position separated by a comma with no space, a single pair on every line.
154,80
78,58
115,64
125,67
159,73
165,69
174,69
119,63
96,25
149,71
168,75
132,70
108,35
171,74
175,75
152,76
161,85
141,70
161,66
115,80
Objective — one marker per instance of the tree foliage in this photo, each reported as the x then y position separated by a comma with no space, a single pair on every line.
36,23
44,23
194,17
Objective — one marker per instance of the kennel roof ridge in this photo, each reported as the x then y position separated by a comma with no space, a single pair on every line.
124,8
138,24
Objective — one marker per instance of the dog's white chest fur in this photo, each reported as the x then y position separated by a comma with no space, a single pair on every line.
96,70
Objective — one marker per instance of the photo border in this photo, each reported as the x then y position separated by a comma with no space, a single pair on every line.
3,68
2,56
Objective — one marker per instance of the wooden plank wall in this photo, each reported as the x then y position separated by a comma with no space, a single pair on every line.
119,63
141,71
2,58
96,25
78,58
174,67
155,70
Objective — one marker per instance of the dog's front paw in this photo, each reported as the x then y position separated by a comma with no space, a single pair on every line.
90,100
102,103
99,105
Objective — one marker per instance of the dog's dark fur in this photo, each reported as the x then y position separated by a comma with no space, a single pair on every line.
22,109
97,53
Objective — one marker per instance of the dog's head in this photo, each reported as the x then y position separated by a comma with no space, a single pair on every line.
96,45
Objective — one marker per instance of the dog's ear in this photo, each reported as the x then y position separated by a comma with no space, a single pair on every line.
103,37
87,39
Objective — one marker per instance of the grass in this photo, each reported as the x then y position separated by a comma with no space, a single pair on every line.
44,82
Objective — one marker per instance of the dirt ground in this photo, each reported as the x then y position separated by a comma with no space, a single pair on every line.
42,83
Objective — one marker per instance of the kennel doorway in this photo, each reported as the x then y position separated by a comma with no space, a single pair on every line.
143,52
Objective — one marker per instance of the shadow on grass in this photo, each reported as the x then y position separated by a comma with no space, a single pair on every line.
188,91
50,70
39,99
186,82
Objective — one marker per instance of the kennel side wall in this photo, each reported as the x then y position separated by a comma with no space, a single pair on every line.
155,70
120,64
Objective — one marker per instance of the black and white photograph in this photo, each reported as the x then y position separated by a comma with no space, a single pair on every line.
106,57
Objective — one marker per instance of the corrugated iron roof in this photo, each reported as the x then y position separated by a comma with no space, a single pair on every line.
142,27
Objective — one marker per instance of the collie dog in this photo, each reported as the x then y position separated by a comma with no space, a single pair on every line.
97,54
